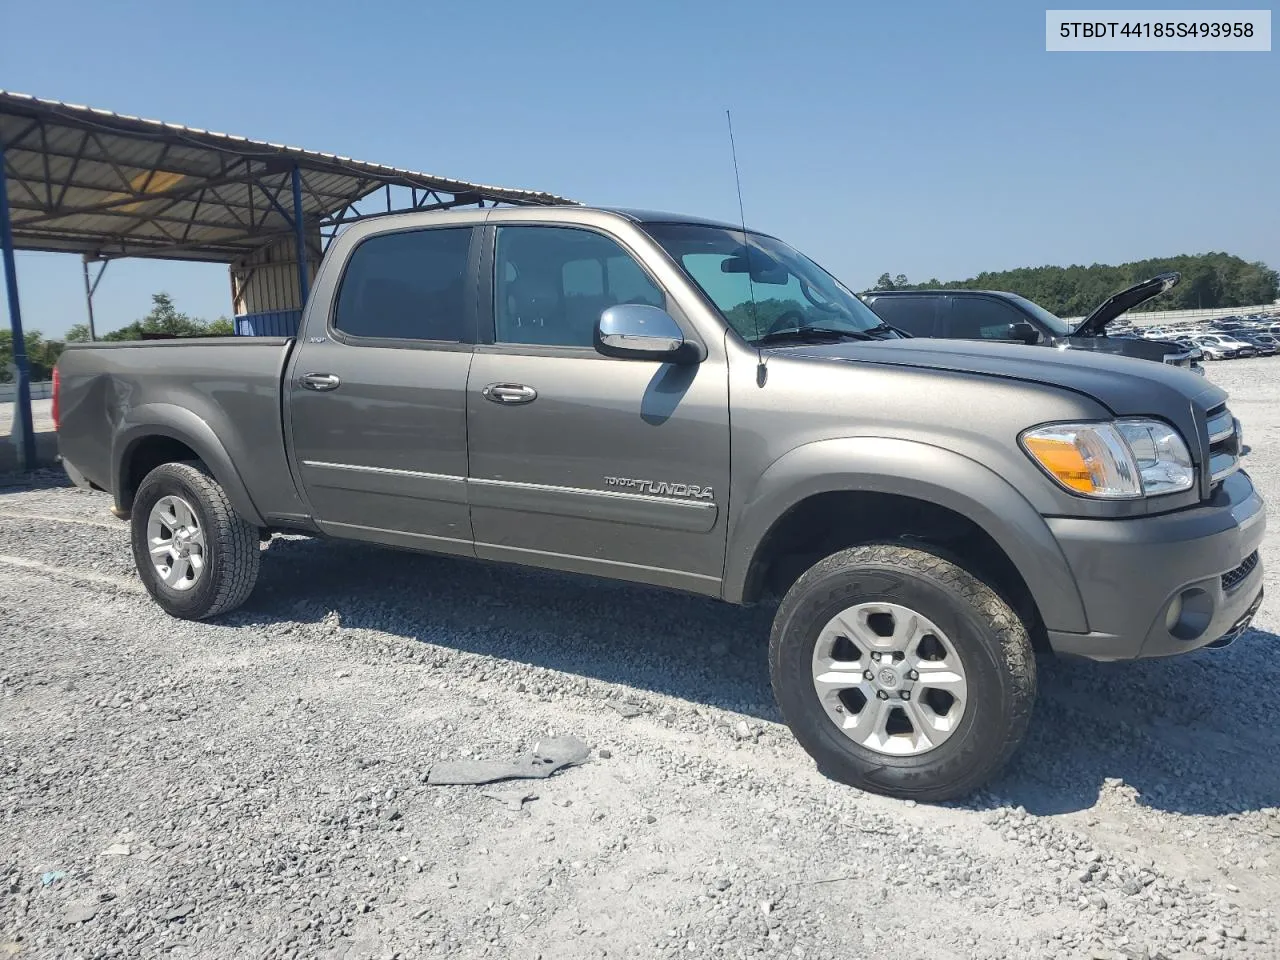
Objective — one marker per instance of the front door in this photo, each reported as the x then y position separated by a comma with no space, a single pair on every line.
377,405
980,318
578,461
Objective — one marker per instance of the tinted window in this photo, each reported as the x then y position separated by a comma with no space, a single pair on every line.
552,284
406,286
912,314
981,318
1050,321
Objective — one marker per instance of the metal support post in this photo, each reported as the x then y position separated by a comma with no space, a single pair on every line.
22,426
89,290
300,238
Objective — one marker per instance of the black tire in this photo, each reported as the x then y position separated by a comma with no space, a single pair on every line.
231,553
989,638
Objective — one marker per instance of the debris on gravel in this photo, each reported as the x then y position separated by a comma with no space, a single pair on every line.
626,709
548,757
513,800
254,786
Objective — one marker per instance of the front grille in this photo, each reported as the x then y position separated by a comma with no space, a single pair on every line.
1232,578
1224,444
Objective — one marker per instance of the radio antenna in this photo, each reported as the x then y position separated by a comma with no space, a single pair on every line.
751,287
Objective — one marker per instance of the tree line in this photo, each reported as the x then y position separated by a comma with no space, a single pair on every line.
164,320
1209,281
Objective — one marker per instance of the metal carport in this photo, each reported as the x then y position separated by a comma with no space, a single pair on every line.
76,179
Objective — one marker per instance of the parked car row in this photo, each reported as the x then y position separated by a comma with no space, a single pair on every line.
1223,338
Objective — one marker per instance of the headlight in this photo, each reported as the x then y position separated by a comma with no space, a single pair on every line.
1121,460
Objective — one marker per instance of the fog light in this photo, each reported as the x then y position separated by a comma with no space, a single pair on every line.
1189,614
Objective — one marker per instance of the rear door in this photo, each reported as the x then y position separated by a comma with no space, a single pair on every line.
377,391
584,462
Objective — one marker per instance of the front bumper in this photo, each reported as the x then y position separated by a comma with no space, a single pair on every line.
1163,585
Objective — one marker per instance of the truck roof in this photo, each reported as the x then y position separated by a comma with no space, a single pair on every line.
941,293
660,216
561,212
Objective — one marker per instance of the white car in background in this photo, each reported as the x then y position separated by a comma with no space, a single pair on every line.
1220,346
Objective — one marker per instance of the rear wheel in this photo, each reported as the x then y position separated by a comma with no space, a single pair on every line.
196,556
901,673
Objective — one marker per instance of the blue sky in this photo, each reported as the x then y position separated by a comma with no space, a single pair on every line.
933,139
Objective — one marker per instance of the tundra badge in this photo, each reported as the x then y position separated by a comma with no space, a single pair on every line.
661,488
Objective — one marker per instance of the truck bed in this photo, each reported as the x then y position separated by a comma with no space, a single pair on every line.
226,389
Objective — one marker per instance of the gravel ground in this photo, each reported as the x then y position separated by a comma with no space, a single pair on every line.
255,787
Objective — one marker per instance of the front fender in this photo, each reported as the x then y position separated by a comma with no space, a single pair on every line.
923,472
178,423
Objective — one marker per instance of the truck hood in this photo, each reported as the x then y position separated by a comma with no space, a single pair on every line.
1126,387
1127,299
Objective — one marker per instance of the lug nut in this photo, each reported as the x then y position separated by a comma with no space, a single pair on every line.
912,675
882,695
868,675
906,694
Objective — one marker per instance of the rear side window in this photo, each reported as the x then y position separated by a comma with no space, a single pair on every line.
911,314
407,286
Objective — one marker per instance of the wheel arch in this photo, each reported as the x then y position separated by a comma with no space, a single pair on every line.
162,433
859,487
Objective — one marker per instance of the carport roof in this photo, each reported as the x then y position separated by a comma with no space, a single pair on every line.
89,181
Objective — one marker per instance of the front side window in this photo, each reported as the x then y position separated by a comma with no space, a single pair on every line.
406,286
981,318
552,284
1050,321
761,285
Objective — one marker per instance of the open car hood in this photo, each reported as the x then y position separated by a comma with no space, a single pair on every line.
1127,299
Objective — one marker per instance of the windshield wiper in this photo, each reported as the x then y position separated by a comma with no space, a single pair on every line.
883,327
814,334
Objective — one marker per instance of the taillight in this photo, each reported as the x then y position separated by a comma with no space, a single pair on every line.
57,386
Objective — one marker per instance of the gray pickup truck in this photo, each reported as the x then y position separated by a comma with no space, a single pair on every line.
679,402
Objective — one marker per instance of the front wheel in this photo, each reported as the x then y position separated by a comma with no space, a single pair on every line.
901,673
196,556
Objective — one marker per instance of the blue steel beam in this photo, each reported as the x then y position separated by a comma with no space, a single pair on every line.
27,449
300,237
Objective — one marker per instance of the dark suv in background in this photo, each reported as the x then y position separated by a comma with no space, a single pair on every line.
1007,317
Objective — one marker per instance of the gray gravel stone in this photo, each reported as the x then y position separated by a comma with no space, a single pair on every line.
80,914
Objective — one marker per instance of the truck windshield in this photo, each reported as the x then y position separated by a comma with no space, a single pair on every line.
759,284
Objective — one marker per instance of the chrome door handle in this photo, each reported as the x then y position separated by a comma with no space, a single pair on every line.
509,393
320,381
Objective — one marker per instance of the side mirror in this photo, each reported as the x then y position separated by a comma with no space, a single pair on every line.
1024,332
637,331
